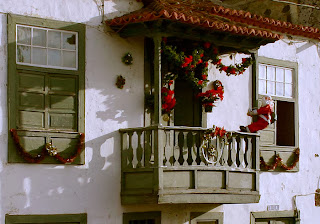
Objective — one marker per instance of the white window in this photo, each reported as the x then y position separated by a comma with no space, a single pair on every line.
279,79
47,48
276,81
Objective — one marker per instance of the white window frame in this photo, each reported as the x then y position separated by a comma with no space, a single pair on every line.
46,47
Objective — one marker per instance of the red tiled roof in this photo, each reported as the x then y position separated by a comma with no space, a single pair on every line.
203,13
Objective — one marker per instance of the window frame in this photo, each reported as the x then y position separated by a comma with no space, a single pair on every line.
206,216
270,150
127,217
294,99
275,214
57,218
13,68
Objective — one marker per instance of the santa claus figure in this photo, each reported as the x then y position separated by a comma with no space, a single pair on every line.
264,116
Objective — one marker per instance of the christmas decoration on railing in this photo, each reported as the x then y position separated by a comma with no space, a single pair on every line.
209,97
278,161
121,81
209,151
48,149
127,59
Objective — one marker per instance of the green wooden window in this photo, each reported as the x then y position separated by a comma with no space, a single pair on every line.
44,219
46,71
206,218
280,80
142,218
275,217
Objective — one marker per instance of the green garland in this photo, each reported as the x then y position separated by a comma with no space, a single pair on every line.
192,67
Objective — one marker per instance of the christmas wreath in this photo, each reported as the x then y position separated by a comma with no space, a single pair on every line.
209,151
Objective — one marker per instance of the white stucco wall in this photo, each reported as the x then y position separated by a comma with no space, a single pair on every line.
94,188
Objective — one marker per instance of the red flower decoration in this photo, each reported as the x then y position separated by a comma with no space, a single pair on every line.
164,39
207,45
224,68
233,71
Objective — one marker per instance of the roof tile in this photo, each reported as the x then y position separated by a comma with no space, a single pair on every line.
204,13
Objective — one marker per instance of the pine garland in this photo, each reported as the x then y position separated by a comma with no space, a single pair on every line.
278,161
48,149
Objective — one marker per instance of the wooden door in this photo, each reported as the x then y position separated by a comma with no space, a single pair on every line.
187,111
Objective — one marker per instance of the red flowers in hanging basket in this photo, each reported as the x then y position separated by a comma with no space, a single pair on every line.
209,97
168,100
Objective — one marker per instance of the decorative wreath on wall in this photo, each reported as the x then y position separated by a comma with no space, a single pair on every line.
48,149
192,65
127,59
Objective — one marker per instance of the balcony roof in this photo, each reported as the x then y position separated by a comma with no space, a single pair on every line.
202,18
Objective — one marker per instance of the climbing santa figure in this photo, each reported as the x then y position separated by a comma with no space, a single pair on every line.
265,116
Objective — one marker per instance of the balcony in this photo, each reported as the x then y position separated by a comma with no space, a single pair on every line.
162,164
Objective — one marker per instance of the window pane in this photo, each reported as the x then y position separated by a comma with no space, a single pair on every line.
288,90
23,54
69,59
23,35
39,56
262,86
39,37
54,39
280,75
69,41
262,72
54,57
288,76
271,88
271,73
280,89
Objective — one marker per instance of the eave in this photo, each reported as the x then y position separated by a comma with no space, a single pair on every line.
205,21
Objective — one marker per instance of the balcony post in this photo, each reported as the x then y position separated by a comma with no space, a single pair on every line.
157,79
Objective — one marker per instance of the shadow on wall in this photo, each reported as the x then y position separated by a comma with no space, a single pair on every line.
93,188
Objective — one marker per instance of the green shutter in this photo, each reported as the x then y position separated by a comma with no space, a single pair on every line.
44,219
45,104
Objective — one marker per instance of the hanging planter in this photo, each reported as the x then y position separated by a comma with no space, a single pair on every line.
208,108
209,97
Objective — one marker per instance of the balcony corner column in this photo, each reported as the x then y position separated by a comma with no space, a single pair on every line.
157,79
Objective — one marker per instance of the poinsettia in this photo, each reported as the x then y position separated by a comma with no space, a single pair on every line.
209,97
168,100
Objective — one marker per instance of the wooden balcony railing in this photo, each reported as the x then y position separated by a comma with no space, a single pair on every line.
167,165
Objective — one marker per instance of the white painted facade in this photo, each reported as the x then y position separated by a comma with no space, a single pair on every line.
94,188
